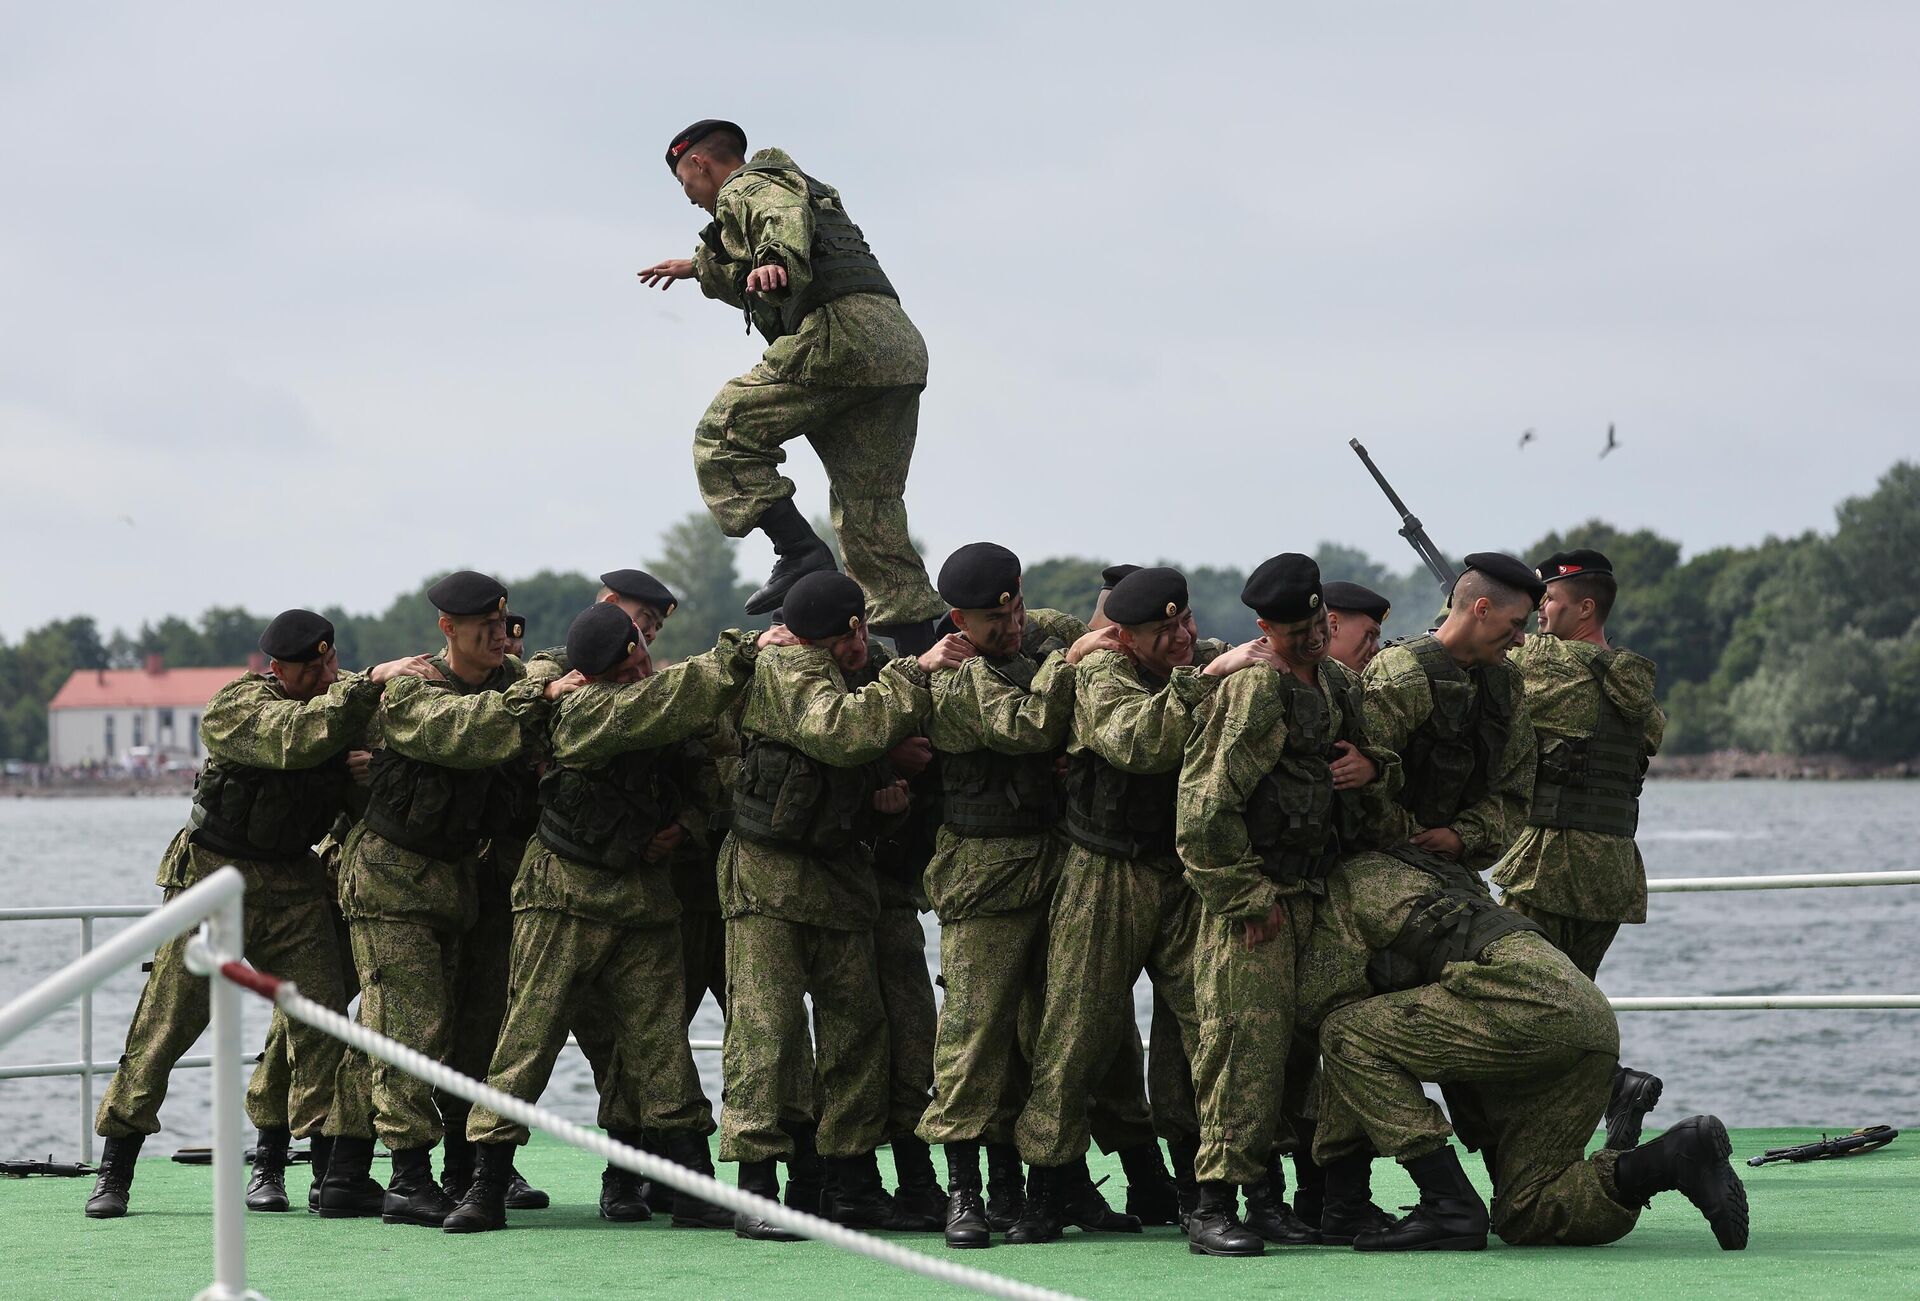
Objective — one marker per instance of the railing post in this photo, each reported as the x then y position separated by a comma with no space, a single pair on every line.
225,937
86,1051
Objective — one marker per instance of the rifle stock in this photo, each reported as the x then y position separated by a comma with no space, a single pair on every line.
1410,527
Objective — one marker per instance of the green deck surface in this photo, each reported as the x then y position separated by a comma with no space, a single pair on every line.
1824,1229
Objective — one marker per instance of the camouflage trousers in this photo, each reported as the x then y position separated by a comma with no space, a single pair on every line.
1246,1002
480,988
1530,1107
270,1090
409,977
633,975
1584,941
906,990
294,939
1109,921
771,965
864,437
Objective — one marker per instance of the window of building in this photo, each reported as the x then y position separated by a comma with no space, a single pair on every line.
139,730
193,734
164,722
109,736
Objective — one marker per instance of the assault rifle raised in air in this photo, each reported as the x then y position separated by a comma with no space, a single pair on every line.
51,1167
1410,527
1869,1139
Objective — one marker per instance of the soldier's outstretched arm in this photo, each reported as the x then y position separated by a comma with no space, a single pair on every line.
247,723
603,720
1132,728
846,728
974,707
474,731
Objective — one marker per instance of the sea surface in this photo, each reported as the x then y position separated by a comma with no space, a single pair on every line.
1840,1070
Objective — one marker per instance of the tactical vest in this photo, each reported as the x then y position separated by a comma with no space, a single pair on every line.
1450,754
1592,783
984,793
1455,922
1296,822
840,260
783,797
443,813
607,816
266,814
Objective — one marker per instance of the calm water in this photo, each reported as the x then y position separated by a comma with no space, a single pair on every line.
1838,1069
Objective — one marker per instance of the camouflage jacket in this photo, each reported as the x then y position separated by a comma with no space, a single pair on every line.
1398,700
799,698
860,341
1238,743
1580,873
978,708
602,721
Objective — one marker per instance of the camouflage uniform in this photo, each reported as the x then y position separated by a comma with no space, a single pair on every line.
1245,998
1524,1045
407,912
800,922
250,723
1580,886
1112,918
847,379
583,932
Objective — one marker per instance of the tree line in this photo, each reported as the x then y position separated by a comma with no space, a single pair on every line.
1804,645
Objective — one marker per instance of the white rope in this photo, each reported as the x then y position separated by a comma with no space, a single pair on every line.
296,1005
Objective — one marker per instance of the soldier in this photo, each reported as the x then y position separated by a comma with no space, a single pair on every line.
516,634
1354,617
595,916
1120,907
798,889
844,368
1574,870
275,779
1280,778
448,778
1413,974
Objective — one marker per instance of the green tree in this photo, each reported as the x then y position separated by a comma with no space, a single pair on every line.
697,564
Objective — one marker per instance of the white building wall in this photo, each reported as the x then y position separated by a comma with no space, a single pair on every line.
79,736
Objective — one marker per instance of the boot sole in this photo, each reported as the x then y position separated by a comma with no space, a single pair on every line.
1644,1098
418,1221
970,1244
268,1210
1198,1250
1727,1215
116,1214
1443,1244
344,1213
474,1228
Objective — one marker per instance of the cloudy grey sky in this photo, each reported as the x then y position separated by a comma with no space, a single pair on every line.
325,300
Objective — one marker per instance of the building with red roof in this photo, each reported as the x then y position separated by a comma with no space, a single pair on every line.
134,718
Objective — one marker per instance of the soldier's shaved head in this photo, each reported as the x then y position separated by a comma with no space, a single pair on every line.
724,145
1475,584
1485,619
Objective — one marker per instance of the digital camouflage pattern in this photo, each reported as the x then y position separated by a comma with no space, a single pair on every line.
906,991
1398,700
1580,876
1523,1044
848,380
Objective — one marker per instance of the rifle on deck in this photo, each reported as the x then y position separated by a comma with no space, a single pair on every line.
1410,527
1869,1139
57,1169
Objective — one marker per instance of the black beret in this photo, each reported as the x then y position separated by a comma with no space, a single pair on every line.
1147,596
694,134
1358,599
823,605
1565,564
639,585
1284,589
980,576
600,638
297,636
1110,576
467,592
516,624
1510,571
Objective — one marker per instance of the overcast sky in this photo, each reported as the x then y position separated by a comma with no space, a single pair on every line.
301,306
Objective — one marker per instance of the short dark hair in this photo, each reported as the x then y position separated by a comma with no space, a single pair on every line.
722,145
1600,588
1476,583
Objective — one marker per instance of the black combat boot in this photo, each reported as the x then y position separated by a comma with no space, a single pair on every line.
800,552
523,1196
412,1195
347,1191
910,639
859,1201
1184,1152
1309,1180
1635,1093
483,1207
758,1178
1215,1230
919,1202
108,1200
1450,1216
1349,1209
267,1189
691,1211
967,1224
806,1172
1043,1219
456,1159
1006,1186
1692,1158
1083,1206
659,1196
1151,1195
319,1152
622,1192
1268,1213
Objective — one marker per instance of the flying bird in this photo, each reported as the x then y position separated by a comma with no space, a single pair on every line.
1612,443
1525,439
